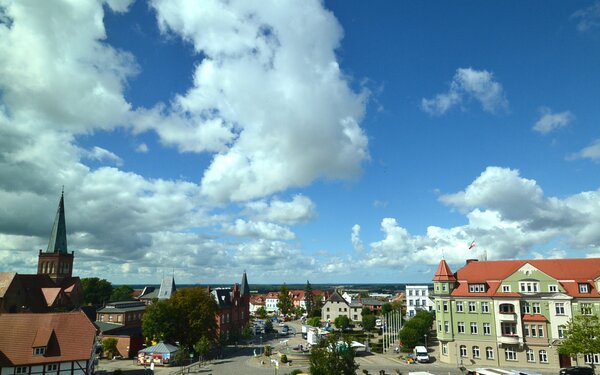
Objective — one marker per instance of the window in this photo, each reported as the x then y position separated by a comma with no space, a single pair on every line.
543,356
461,327
446,327
444,287
506,288
417,303
476,352
592,358
52,367
507,308
463,351
438,306
477,288
110,318
485,307
445,306
439,326
445,348
510,354
459,307
526,308
536,308
529,286
472,307
553,288
526,330
508,329
473,328
540,331
410,292
487,329
489,352
586,309
584,288
533,331
39,351
560,308
21,370
530,355
561,332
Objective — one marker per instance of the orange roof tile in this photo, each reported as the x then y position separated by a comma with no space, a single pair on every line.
443,272
71,338
534,318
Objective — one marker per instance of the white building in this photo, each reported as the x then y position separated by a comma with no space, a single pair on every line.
417,298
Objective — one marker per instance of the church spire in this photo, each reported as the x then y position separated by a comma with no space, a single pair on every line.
245,287
58,237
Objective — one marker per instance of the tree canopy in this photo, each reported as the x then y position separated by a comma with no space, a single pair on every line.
582,336
96,291
122,293
368,322
314,321
333,355
309,299
285,304
415,328
341,322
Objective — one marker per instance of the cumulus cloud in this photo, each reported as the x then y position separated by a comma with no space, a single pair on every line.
270,86
550,121
590,152
101,154
588,18
143,148
468,84
508,215
298,210
264,230
355,238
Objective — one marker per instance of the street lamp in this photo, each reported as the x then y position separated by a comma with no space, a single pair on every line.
425,336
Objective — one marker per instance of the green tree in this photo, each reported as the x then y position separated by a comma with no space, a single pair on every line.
122,293
181,355
96,291
368,322
341,322
309,299
109,346
194,312
410,337
203,347
285,304
268,326
158,322
247,331
261,312
314,321
582,336
333,356
386,308
366,311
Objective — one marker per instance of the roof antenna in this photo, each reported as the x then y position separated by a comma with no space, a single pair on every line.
443,254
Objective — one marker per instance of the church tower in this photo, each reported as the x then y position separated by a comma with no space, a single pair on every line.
56,262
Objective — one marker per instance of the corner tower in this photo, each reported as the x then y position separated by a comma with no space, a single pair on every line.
56,261
444,280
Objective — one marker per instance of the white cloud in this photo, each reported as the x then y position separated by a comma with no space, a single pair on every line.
590,152
299,210
355,238
301,120
468,84
550,121
101,154
588,18
142,147
264,230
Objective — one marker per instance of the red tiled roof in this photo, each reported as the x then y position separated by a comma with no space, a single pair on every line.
534,318
443,272
50,294
70,337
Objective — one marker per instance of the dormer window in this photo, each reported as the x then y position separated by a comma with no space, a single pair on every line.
553,288
477,288
506,288
529,286
39,350
584,288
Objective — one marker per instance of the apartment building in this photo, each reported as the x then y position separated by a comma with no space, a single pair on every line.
417,299
513,313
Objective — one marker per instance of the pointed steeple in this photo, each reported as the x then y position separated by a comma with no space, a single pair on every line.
58,237
443,272
245,291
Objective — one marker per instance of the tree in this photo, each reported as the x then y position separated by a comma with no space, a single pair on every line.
314,321
96,291
285,304
386,308
333,356
582,336
181,355
109,346
410,337
341,322
122,293
309,299
268,326
366,311
194,310
368,322
158,322
203,347
261,312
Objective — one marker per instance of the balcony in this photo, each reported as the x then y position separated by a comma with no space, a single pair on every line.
507,317
508,339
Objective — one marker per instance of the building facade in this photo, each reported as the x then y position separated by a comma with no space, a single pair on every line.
417,299
234,310
336,306
513,313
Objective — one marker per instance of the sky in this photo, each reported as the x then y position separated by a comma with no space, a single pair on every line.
336,141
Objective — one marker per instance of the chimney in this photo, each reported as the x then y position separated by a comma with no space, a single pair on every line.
471,260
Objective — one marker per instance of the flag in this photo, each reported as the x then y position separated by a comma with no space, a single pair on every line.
472,245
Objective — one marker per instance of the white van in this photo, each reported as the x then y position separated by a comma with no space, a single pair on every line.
421,354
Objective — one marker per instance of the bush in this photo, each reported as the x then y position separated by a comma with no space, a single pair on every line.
267,350
284,358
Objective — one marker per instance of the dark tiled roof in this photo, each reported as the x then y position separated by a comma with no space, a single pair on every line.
222,296
123,306
58,237
336,297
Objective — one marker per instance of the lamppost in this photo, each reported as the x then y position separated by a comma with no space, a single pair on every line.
425,336
261,348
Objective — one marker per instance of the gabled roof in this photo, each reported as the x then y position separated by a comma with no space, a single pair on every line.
58,237
6,279
161,347
443,272
222,296
70,337
336,297
51,295
167,288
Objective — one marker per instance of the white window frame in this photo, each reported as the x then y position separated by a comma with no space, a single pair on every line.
474,329
510,354
485,307
506,288
536,308
529,286
459,306
561,331
445,306
445,348
543,355
476,353
487,329
552,288
584,288
460,327
463,351
489,352
559,307
472,306
530,355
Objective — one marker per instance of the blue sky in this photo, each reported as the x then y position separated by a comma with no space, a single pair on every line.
336,141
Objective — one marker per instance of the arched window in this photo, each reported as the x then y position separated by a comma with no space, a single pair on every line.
476,352
489,352
543,356
507,308
463,351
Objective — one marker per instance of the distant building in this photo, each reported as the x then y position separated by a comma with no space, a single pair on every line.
336,306
122,320
271,300
256,302
53,343
165,291
417,299
234,309
53,287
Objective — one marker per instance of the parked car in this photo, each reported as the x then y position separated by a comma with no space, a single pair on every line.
577,370
285,330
